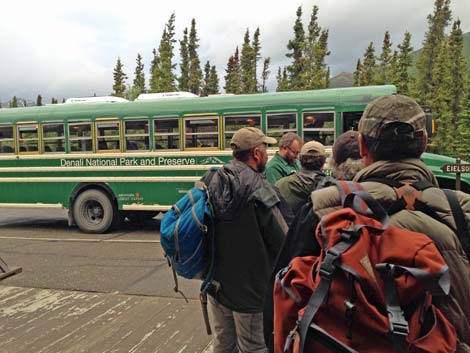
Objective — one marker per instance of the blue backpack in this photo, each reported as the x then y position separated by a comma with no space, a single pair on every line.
187,237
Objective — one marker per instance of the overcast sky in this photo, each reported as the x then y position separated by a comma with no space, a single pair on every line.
68,48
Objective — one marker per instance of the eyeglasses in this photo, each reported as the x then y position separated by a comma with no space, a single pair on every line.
296,153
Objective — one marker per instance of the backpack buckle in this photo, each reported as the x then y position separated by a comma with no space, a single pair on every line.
327,267
397,322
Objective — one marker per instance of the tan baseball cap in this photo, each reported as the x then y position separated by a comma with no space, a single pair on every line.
312,147
388,109
248,137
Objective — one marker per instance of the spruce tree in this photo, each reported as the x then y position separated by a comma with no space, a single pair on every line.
327,78
14,102
265,75
232,77
183,80
166,77
394,68
403,64
462,149
213,85
39,100
282,80
321,71
357,74
437,22
139,76
443,141
119,86
154,72
368,66
315,73
296,46
205,84
456,71
256,46
383,69
195,73
248,85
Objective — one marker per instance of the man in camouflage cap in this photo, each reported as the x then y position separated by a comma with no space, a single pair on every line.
393,127
391,140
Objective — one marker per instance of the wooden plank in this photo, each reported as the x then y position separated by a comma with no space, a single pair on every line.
43,321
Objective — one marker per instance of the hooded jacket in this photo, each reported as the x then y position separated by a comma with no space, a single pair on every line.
455,306
249,231
296,188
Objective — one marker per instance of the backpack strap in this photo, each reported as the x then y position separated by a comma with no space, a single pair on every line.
460,221
328,341
408,196
330,261
207,283
398,324
326,271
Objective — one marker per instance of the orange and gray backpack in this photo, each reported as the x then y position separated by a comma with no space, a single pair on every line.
369,290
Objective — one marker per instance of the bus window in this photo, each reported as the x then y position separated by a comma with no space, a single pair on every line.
28,138
80,137
6,139
201,132
107,135
136,135
319,126
167,134
351,120
53,138
280,123
236,122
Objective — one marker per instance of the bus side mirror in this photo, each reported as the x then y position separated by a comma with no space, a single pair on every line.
430,122
430,125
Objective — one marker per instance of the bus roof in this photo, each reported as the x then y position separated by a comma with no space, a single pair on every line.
353,96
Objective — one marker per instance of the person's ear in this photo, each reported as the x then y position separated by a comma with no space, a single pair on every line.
425,141
256,154
363,151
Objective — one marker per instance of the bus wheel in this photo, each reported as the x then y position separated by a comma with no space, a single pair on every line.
93,211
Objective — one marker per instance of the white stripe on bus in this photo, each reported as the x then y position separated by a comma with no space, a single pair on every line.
132,207
110,179
107,168
33,205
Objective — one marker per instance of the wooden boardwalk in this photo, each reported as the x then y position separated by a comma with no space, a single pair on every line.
54,321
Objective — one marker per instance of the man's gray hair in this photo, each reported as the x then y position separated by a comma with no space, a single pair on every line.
288,138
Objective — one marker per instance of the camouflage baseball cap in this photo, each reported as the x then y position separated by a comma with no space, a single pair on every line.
249,137
388,109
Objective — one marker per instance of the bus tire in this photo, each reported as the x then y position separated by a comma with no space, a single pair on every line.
93,211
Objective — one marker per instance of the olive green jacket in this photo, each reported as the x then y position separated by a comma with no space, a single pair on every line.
296,188
455,306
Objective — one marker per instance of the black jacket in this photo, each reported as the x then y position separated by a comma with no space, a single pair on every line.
249,231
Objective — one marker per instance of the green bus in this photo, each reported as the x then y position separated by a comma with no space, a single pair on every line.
104,161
